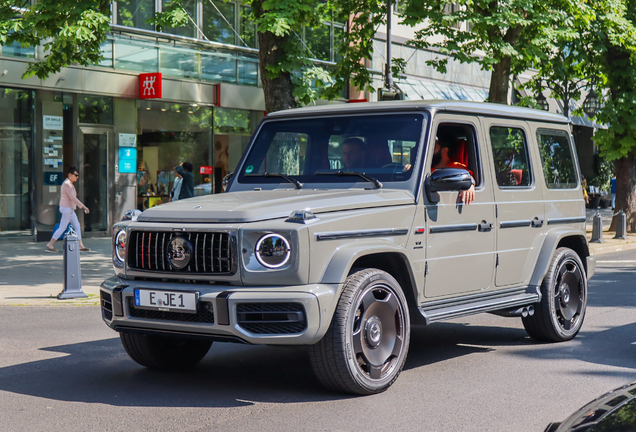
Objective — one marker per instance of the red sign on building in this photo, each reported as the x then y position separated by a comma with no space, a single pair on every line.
150,86
207,170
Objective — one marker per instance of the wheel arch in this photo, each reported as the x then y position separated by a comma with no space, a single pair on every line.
397,265
572,239
387,257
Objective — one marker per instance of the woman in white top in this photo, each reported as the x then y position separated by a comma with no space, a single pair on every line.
176,187
68,204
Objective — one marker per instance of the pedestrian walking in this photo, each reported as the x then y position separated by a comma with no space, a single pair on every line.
68,204
187,182
176,187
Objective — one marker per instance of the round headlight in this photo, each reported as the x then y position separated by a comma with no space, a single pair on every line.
273,251
120,245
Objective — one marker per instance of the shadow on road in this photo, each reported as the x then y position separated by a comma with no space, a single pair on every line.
233,375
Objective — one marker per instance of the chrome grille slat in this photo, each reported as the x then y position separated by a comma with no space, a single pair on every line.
163,252
156,252
205,237
196,253
213,252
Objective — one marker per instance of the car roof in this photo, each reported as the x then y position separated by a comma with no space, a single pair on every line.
462,107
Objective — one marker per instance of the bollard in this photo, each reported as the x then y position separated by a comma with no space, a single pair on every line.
72,269
597,229
621,226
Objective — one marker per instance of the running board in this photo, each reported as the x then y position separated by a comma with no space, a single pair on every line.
447,309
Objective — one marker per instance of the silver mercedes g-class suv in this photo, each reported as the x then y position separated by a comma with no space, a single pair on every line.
344,225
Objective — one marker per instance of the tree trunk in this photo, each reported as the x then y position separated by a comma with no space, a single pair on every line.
626,191
500,82
278,90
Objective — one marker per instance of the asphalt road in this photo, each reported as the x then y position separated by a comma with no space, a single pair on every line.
62,369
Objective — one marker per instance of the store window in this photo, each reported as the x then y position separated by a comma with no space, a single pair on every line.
95,109
232,131
15,171
134,13
170,135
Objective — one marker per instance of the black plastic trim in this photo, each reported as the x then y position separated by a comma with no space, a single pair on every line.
453,228
189,335
515,224
362,234
222,308
579,219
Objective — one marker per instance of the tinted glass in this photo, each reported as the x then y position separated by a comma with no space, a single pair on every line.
188,29
317,40
95,109
557,159
134,13
215,26
248,28
510,154
314,150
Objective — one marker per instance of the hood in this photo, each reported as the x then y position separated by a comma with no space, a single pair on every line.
252,206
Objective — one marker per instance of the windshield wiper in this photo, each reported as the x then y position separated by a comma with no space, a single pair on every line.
370,179
292,180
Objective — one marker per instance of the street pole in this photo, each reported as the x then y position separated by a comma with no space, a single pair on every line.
388,75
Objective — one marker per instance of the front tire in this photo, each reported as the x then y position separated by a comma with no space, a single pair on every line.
365,348
559,315
165,353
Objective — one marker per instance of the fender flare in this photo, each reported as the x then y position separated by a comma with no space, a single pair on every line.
547,252
344,256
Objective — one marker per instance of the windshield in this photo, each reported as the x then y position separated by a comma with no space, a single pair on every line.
383,147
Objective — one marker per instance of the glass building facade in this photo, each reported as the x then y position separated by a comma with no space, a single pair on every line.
16,141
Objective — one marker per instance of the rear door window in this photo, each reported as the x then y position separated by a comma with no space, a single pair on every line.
510,155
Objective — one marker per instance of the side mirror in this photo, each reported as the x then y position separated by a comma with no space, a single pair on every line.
131,215
446,179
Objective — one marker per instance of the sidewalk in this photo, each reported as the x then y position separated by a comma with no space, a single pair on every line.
29,276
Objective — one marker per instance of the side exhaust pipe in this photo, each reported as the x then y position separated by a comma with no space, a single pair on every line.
523,311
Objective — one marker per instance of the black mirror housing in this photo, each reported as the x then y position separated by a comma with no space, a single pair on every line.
446,179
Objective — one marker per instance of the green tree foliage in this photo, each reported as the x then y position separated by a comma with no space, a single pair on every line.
70,31
614,50
567,70
504,36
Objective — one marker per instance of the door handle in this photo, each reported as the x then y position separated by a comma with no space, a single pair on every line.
537,223
485,226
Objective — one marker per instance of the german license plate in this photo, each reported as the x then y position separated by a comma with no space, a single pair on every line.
166,300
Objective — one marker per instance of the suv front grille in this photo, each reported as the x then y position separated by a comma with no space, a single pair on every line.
212,252
205,313
271,318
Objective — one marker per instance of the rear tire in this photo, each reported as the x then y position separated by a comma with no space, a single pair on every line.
365,348
559,316
166,353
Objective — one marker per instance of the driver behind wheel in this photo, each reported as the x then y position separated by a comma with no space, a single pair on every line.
353,153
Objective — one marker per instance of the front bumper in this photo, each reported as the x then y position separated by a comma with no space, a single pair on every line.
223,306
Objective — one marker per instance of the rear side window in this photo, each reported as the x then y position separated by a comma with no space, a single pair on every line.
510,153
557,159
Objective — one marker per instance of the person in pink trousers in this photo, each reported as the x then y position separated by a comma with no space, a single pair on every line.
68,204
